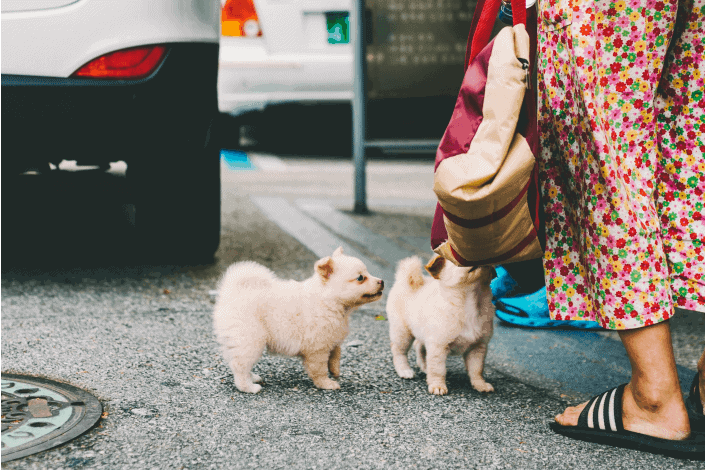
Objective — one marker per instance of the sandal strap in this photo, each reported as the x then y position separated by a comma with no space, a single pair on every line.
604,411
694,396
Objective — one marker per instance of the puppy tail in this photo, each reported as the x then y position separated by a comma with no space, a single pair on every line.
246,274
410,272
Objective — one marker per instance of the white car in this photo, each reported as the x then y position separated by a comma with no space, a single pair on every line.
101,81
275,51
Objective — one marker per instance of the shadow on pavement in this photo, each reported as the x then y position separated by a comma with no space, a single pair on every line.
72,222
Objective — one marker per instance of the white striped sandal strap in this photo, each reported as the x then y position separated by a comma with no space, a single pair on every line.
604,411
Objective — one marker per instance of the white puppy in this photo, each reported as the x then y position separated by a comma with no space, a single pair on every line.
308,319
451,313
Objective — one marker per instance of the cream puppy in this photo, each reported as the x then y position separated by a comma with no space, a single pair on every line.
450,313
308,319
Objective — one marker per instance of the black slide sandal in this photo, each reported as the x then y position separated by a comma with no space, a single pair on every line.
601,422
695,407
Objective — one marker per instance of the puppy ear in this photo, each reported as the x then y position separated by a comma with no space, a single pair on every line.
324,267
435,266
338,252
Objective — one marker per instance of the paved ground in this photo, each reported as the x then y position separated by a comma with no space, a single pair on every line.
139,337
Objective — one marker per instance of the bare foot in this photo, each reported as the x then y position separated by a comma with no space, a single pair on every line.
665,420
701,378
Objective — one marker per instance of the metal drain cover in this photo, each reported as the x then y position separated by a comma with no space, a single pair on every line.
38,414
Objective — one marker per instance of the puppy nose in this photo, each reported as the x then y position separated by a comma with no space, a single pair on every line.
381,283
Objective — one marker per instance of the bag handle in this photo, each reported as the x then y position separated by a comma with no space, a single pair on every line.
483,21
473,27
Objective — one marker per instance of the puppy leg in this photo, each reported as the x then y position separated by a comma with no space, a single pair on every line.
436,368
316,365
475,364
334,362
420,355
241,365
401,342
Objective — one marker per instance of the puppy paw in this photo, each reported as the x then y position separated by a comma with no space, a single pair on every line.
406,373
256,378
250,388
335,371
327,384
482,386
437,389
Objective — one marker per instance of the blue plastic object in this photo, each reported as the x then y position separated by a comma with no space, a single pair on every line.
236,160
505,14
503,284
530,310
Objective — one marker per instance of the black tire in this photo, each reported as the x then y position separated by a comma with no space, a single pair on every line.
177,207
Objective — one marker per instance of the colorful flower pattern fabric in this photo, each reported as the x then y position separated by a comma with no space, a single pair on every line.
622,122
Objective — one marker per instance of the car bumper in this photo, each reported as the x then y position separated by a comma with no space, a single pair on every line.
250,77
54,42
47,119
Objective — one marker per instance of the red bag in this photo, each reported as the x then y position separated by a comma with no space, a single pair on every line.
486,174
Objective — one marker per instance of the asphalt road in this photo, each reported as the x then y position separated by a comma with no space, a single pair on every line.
76,308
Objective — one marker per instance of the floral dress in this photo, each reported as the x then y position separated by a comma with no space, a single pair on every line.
622,124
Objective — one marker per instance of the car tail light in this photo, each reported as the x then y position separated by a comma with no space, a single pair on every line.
134,63
239,18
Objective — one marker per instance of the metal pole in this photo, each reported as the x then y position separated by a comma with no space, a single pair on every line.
358,108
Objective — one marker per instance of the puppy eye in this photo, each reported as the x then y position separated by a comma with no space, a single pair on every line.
360,278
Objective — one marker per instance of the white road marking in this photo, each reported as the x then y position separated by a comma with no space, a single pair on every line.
267,162
312,235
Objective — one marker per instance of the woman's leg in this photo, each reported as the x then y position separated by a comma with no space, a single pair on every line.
652,403
701,370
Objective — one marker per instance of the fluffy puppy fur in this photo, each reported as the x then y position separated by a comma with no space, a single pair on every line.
308,319
449,313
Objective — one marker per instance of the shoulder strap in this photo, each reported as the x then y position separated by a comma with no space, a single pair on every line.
473,27
483,21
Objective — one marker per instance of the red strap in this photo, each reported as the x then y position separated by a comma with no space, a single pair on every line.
481,29
519,12
473,26
481,36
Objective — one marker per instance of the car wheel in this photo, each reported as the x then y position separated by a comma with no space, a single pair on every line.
177,205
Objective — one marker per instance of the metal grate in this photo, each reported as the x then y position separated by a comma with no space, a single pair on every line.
39,414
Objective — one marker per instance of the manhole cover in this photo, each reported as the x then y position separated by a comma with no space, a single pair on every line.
38,414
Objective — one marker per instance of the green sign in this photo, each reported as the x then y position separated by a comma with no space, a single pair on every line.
338,27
